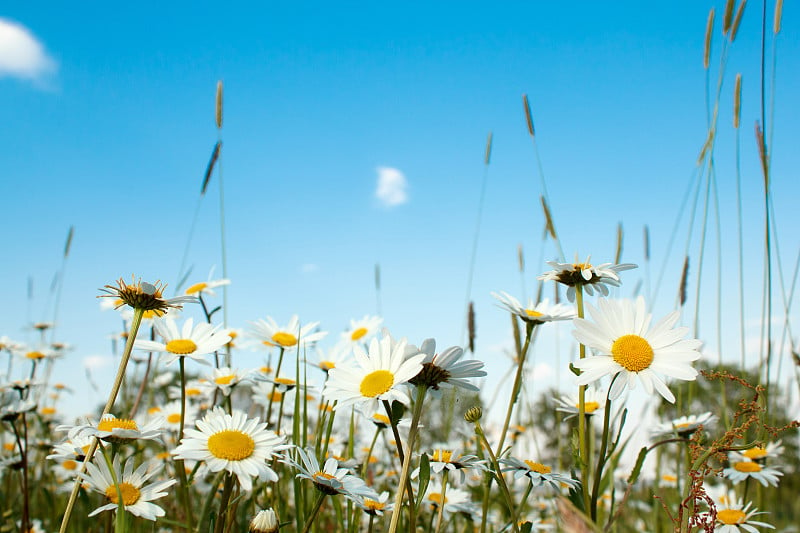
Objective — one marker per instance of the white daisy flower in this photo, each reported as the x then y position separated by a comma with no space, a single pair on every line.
594,402
741,470
733,517
453,461
113,429
455,500
339,354
626,346
233,443
207,287
135,495
685,426
269,333
376,507
589,276
362,330
538,473
534,313
445,370
376,376
224,379
171,414
265,521
190,341
330,479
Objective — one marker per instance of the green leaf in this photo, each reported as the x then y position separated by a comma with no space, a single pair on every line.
424,478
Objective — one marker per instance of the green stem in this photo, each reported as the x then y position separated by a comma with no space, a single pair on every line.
180,469
404,475
222,515
499,474
583,437
439,519
529,327
123,364
314,512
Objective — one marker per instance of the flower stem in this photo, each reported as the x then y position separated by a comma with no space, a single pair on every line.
517,384
179,464
499,474
404,479
126,355
583,437
439,519
314,512
222,516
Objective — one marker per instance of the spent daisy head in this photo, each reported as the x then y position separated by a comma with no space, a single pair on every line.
374,376
589,277
145,296
190,340
234,443
269,333
627,348
534,313
137,497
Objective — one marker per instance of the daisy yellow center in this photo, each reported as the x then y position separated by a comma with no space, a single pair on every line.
284,339
323,475
109,424
130,494
669,478
48,410
174,418
69,464
442,456
682,426
582,266
197,287
266,369
327,365
224,380
284,381
731,516
181,346
153,410
358,333
382,419
539,468
532,313
755,453
436,497
34,355
747,466
372,505
632,352
277,396
376,383
152,313
589,407
9,446
191,391
231,445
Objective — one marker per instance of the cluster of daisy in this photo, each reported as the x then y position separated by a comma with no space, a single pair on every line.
307,425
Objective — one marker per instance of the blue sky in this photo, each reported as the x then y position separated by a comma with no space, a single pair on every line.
112,131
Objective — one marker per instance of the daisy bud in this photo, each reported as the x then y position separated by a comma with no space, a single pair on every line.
474,414
266,521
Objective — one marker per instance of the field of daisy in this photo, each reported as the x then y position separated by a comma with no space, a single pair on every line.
365,430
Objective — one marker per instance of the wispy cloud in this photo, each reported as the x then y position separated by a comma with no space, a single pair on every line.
392,185
94,362
22,55
309,268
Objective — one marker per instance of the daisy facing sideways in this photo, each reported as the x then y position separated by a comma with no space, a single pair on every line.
627,347
191,340
136,496
233,443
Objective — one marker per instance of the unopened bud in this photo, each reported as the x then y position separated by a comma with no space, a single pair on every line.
266,521
474,414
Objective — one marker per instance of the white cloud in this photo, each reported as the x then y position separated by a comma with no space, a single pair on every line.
392,185
22,55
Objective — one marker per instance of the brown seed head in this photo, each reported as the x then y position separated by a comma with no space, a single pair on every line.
139,295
